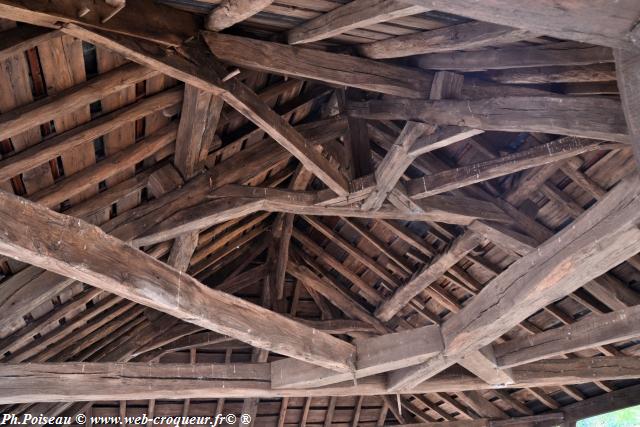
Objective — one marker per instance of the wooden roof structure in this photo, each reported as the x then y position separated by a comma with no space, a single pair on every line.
320,212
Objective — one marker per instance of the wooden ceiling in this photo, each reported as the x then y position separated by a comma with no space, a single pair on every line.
320,213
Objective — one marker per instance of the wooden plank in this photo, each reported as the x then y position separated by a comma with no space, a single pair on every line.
480,405
356,14
628,69
586,117
546,55
557,150
483,364
22,118
22,38
597,241
594,331
332,68
55,146
231,12
468,36
89,177
592,21
428,275
191,300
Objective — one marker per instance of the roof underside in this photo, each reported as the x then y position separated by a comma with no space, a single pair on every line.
355,168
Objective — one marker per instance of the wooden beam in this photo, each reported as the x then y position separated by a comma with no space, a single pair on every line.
374,355
593,21
600,239
81,381
585,117
231,12
628,69
558,150
110,264
357,14
546,75
546,55
468,36
332,68
24,37
594,331
232,202
428,275
198,122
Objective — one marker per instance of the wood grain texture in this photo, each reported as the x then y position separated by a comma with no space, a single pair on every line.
160,286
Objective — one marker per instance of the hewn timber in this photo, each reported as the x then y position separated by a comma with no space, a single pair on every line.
592,21
162,24
463,176
356,14
466,36
601,238
545,75
628,69
428,275
240,201
198,122
374,355
333,68
594,331
547,55
204,72
34,234
230,12
608,402
78,381
586,117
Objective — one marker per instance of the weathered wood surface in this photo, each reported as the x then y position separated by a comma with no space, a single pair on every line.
467,36
593,21
230,12
356,14
20,119
74,381
591,332
453,179
586,117
546,55
24,37
374,355
203,71
336,69
429,274
240,201
628,69
49,240
597,241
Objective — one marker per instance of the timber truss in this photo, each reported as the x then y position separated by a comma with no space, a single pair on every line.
347,213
